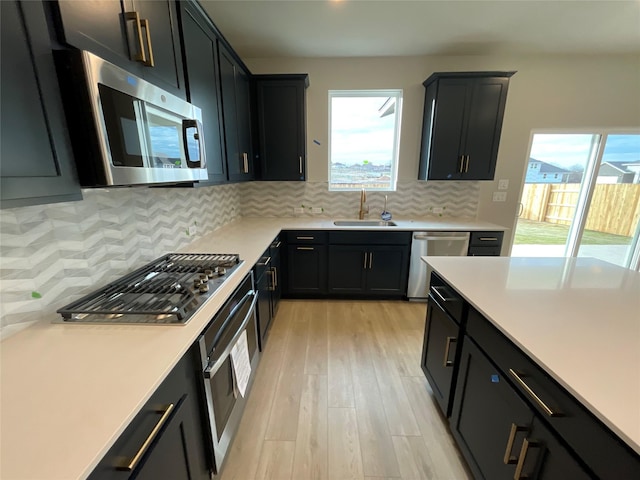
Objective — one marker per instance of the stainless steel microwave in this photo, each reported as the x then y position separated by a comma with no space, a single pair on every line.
125,130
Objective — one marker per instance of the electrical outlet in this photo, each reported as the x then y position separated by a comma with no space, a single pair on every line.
316,210
499,196
192,229
503,184
437,209
298,210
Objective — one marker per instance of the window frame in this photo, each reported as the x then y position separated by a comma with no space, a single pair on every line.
397,93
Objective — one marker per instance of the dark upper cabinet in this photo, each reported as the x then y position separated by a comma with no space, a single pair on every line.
199,41
37,165
139,36
281,119
461,126
236,107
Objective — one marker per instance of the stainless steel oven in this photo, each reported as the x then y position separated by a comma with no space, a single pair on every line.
233,326
125,130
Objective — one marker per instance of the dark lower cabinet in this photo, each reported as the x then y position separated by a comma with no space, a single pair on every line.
368,269
199,41
37,164
306,270
388,269
499,434
442,341
485,244
166,438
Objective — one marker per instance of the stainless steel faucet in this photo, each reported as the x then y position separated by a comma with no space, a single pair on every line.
364,208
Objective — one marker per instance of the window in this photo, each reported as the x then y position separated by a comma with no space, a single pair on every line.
364,128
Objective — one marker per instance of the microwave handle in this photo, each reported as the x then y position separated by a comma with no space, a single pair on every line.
202,163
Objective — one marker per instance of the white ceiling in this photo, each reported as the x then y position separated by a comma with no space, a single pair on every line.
355,28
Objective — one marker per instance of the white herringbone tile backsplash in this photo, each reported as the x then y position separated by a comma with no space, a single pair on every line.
51,255
411,199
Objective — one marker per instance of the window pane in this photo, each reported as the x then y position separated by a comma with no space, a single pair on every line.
612,221
364,139
555,174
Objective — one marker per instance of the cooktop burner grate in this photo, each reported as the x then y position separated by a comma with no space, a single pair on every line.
168,290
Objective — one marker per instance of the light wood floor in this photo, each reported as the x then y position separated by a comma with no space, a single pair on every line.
339,394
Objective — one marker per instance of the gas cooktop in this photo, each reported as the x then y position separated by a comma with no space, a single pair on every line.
168,290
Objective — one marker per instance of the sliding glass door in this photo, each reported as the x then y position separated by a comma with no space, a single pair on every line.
581,197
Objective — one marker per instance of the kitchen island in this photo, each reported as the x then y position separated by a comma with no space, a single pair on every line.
577,319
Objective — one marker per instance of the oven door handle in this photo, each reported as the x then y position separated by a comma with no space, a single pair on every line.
213,367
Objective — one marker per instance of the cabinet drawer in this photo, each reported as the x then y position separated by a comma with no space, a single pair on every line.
369,238
486,239
484,251
605,454
302,237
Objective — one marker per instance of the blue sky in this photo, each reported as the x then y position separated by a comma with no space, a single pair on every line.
566,150
358,133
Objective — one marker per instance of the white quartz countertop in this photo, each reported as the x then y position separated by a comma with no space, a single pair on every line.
68,391
579,319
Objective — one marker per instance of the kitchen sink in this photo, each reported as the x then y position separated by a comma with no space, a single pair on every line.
363,223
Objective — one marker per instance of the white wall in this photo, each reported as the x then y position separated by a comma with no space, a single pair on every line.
547,92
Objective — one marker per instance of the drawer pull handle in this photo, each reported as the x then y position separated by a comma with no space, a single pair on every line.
508,458
265,263
166,412
304,248
526,444
447,362
277,245
436,290
533,394
488,239
305,238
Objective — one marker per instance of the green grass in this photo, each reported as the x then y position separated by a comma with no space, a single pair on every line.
529,232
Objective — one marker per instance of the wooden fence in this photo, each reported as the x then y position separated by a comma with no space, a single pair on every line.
615,208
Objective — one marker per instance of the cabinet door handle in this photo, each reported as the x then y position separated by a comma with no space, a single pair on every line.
300,159
364,265
461,164
466,165
526,444
245,163
508,458
304,248
305,238
447,347
532,394
272,286
131,465
145,24
141,56
275,277
370,259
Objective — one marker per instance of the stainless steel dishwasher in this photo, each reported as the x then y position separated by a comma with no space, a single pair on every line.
431,244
